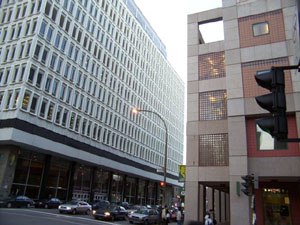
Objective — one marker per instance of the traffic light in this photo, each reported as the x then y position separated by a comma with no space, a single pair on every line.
162,184
274,102
247,185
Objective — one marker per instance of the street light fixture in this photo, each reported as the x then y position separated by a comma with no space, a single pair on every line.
136,111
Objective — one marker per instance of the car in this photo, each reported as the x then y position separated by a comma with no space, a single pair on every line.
144,216
135,208
100,204
112,212
48,203
75,207
20,201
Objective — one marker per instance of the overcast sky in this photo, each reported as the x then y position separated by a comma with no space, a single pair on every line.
169,19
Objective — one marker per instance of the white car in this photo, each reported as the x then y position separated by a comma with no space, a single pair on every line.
144,216
75,207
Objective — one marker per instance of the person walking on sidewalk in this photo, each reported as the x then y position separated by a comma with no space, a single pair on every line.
179,216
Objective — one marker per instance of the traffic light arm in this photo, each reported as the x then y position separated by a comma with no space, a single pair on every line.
294,67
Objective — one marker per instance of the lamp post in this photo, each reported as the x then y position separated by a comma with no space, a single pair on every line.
136,111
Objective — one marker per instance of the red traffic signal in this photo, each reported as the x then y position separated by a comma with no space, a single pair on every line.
162,184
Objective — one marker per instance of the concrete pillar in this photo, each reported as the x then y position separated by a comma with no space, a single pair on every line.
8,161
193,198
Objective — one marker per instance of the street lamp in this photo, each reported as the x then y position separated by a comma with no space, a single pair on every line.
136,111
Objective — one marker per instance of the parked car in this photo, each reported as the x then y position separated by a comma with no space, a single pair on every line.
20,201
75,207
144,216
48,203
112,212
135,208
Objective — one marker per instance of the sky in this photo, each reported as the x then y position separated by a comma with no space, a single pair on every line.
169,20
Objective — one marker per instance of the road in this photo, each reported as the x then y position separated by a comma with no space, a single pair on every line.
34,216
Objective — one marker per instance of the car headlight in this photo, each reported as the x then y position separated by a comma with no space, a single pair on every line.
106,213
94,212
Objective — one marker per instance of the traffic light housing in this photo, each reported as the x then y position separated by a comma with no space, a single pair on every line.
162,184
247,185
274,102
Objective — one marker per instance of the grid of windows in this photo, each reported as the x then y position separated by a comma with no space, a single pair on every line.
213,150
213,105
90,65
211,65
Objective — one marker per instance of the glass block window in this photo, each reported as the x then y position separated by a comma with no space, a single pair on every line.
211,65
213,150
213,105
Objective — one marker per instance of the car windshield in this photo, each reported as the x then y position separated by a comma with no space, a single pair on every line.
72,203
142,211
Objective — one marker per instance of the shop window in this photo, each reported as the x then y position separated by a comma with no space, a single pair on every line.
276,205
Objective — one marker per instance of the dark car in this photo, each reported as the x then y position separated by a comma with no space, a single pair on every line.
100,204
20,201
112,212
144,216
48,203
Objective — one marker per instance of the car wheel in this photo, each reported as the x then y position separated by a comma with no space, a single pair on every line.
9,205
131,222
146,222
60,212
46,206
88,212
113,218
74,211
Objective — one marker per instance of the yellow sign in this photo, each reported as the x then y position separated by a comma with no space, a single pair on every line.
181,173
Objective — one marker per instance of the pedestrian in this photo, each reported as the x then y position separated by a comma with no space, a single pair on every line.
179,216
208,220
164,215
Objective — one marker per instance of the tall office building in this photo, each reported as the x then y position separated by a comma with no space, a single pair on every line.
70,73
224,142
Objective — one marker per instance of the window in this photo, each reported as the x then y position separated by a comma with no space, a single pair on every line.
57,40
39,78
266,142
43,28
49,33
50,111
37,51
48,8
43,108
213,105
31,75
48,84
44,56
34,103
211,65
26,99
8,99
58,114
260,28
